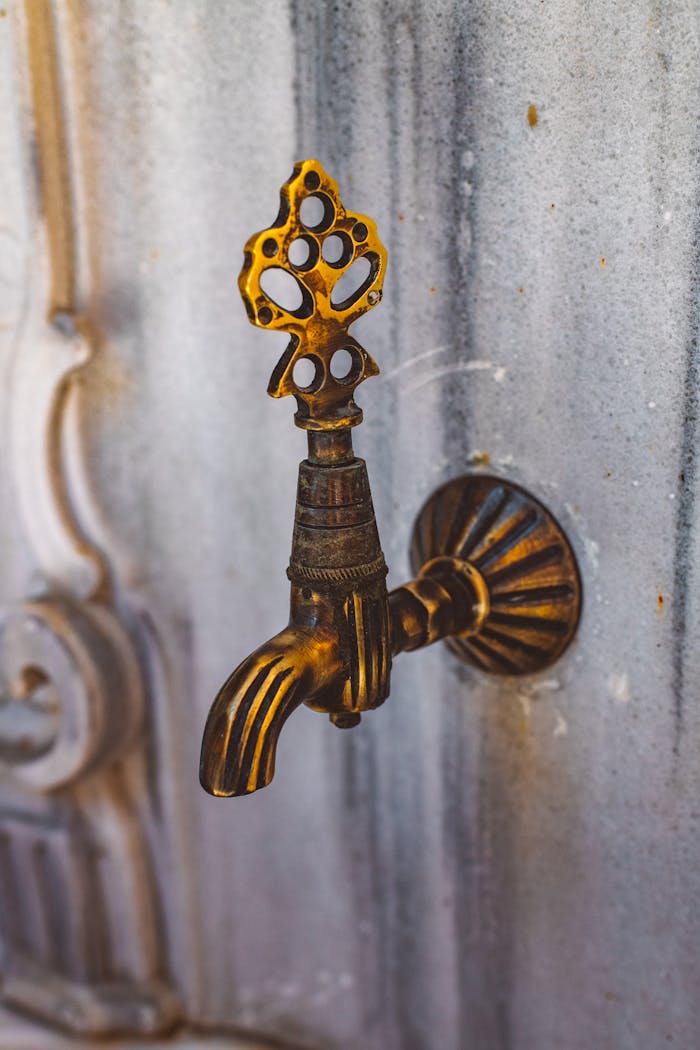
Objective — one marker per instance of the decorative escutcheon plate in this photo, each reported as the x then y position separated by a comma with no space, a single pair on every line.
526,563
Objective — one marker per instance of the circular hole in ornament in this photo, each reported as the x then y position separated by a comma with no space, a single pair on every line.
269,247
317,212
308,374
303,253
346,365
312,180
337,250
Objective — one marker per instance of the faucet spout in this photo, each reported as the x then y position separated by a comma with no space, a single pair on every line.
335,655
250,709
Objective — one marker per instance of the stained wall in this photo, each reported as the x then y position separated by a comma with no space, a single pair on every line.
482,864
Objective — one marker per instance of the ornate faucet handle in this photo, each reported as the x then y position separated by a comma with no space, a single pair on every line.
316,247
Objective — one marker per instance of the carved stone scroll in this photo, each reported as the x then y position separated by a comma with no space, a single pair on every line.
80,933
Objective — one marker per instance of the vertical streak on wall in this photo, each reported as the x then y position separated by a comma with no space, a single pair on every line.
365,90
329,100
468,808
684,541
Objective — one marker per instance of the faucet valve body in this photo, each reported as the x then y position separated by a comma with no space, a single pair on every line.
338,576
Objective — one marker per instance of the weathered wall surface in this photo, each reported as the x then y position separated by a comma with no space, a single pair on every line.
481,865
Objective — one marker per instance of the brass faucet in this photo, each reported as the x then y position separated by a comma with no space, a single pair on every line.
495,573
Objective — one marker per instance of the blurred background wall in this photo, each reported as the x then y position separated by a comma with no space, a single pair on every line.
482,864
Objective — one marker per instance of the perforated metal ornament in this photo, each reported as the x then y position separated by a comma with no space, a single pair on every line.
317,242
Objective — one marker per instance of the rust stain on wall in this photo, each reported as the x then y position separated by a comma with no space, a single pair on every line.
51,157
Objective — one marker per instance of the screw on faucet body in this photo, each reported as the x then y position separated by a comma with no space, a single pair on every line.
345,720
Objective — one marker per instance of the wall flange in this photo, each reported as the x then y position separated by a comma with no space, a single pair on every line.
531,588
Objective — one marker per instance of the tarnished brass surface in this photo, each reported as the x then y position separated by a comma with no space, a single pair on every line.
316,252
335,656
495,573
238,752
530,587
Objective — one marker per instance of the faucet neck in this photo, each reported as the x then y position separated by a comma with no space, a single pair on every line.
330,448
